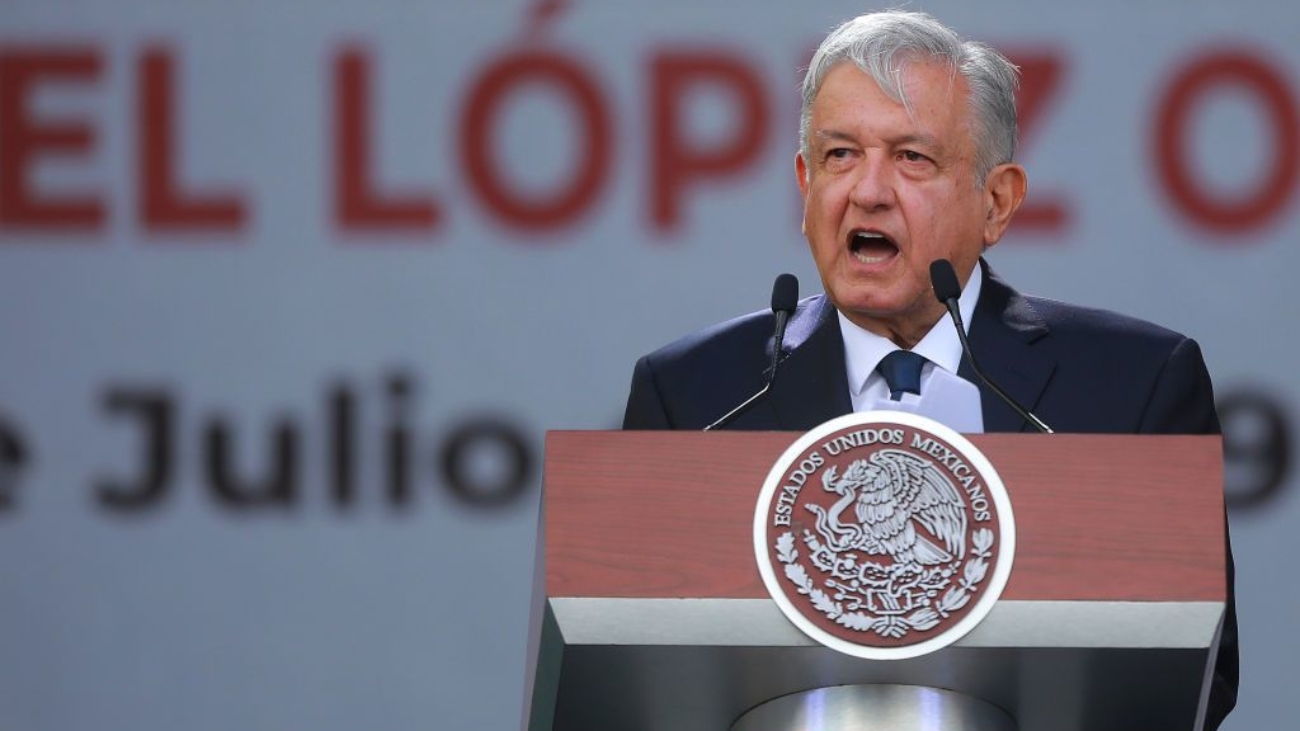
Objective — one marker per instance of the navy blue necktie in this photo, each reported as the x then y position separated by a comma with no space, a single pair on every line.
902,371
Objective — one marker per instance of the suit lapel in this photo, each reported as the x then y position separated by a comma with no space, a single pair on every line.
1002,333
811,386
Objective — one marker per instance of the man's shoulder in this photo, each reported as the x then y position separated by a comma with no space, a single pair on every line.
740,339
695,379
1100,327
1069,325
1099,370
738,335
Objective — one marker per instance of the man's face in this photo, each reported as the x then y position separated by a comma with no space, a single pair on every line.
887,192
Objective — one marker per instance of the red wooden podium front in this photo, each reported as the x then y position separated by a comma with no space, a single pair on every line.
655,616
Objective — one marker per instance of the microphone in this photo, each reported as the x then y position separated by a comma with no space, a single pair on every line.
785,297
947,290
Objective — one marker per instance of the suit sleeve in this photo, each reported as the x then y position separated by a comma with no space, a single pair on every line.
645,407
1182,402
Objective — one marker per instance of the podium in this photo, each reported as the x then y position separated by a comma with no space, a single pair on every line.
651,614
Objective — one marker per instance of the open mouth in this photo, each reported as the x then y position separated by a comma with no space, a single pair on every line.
872,247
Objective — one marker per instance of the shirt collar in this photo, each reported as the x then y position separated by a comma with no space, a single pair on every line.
863,350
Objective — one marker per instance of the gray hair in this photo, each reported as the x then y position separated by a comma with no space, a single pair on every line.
881,44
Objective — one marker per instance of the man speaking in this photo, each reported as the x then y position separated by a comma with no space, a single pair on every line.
907,142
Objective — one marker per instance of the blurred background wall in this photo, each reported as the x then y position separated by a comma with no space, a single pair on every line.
291,290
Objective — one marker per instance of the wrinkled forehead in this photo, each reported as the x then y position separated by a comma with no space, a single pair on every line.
910,74
929,88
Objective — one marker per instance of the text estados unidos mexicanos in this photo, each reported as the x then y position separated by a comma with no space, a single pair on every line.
814,461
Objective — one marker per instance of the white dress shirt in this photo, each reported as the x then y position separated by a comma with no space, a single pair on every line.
945,397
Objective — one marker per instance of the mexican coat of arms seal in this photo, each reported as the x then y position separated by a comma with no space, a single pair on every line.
884,535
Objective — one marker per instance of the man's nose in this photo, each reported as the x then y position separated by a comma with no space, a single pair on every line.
874,187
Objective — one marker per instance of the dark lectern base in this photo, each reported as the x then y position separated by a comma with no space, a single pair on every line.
880,707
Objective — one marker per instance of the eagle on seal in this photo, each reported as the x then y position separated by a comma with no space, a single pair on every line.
891,492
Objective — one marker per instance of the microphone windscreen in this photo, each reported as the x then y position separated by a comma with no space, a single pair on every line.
944,280
785,293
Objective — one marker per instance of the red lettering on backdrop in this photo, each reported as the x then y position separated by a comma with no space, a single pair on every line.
570,83
1251,73
163,204
357,204
1040,77
674,161
23,139
541,13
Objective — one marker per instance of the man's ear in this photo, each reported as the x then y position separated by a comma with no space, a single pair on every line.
801,177
1004,191
801,174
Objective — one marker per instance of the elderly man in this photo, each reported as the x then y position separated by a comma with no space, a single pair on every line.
906,156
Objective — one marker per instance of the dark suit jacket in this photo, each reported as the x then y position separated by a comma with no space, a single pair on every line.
1078,369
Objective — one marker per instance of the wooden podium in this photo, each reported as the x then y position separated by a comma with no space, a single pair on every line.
651,615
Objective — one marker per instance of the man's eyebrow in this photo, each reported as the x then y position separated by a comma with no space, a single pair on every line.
833,135
919,138
925,140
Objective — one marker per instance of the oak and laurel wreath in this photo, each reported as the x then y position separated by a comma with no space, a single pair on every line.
894,627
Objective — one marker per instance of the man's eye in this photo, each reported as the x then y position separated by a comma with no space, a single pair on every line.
913,156
838,153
